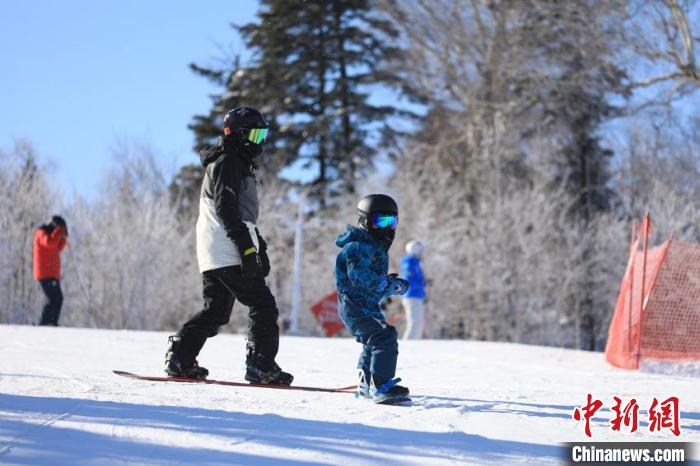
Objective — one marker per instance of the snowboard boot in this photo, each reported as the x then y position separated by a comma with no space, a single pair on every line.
388,390
178,365
262,370
363,385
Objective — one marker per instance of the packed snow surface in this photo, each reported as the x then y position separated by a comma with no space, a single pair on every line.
474,403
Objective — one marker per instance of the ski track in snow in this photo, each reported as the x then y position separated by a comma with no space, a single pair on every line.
474,403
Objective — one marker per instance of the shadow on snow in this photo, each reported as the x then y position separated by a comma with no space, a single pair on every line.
34,443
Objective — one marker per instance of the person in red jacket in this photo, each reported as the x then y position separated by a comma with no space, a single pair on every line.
49,241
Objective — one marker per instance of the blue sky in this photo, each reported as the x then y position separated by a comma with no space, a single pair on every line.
79,75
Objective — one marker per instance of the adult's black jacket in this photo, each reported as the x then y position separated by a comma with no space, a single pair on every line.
228,207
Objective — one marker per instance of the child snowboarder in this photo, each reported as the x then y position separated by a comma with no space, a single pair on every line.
362,281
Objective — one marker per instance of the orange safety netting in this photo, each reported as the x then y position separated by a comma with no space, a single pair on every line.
657,314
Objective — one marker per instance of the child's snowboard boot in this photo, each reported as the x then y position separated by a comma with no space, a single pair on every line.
388,391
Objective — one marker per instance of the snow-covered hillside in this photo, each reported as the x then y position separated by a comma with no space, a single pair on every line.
474,403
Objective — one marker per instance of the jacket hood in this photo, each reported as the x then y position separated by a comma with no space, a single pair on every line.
211,153
226,146
353,233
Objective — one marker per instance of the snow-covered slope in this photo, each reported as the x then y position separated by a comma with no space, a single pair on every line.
474,403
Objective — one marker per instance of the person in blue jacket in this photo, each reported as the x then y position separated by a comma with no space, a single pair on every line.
362,279
413,300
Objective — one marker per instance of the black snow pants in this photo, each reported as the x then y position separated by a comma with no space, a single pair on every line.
221,288
54,301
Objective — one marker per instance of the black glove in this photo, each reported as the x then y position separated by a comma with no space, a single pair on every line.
262,253
58,221
250,264
396,285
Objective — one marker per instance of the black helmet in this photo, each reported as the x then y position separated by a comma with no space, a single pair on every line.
369,207
377,203
246,126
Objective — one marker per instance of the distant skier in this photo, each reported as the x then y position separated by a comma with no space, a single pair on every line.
49,241
232,256
362,281
414,299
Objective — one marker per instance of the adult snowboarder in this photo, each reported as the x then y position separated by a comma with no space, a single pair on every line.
232,256
413,299
361,278
49,241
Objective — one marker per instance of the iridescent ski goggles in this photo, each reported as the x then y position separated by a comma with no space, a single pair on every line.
384,221
257,135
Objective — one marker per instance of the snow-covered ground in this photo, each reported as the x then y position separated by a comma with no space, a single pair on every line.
474,403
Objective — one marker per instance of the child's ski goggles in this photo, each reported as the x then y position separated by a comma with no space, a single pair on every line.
257,135
384,221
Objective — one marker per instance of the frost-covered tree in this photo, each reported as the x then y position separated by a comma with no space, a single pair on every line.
26,200
134,262
516,93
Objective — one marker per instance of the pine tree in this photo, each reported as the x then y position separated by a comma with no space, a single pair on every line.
314,64
576,97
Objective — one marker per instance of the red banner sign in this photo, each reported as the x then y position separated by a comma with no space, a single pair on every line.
326,313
